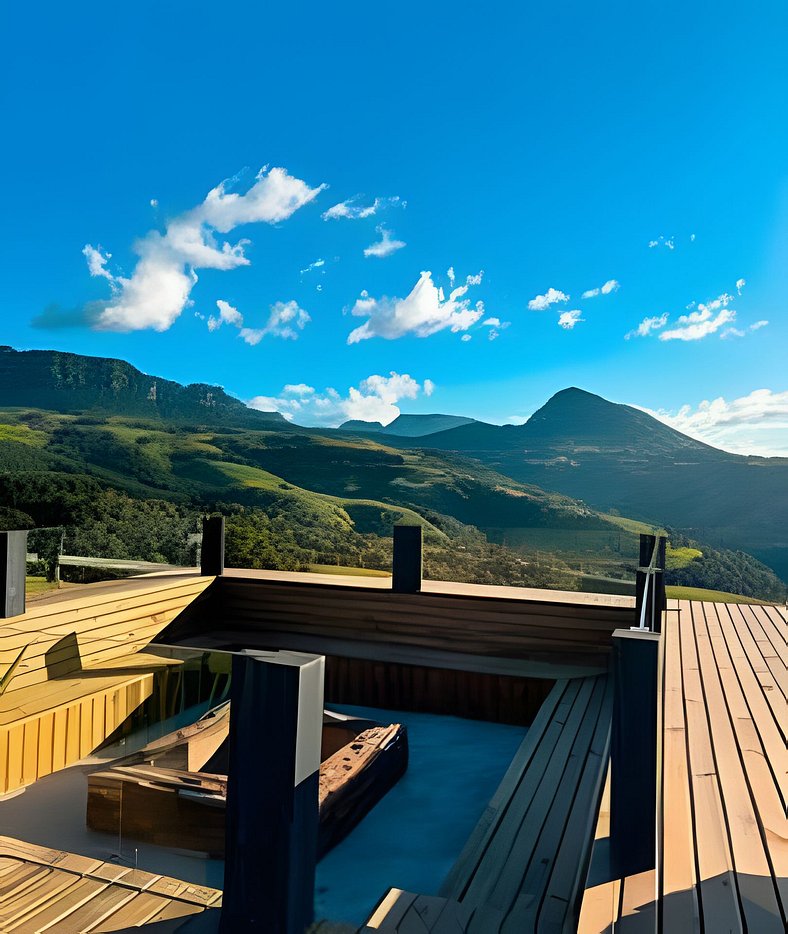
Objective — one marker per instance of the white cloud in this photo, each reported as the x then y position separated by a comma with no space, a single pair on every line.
154,203
753,424
612,285
159,288
707,319
692,238
465,338
758,325
568,319
299,389
385,246
285,320
318,263
352,210
496,326
374,400
647,325
97,262
740,283
550,297
731,332
423,312
668,242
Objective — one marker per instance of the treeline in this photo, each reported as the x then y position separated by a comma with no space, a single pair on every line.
722,569
290,534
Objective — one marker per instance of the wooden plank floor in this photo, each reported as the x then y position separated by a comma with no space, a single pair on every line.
524,867
724,843
44,889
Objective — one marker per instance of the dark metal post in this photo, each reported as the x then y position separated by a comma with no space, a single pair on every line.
634,751
407,564
212,552
276,719
13,570
650,588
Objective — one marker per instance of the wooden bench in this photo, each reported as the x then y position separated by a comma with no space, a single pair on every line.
524,867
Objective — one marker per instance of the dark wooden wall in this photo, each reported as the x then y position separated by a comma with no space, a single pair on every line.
474,695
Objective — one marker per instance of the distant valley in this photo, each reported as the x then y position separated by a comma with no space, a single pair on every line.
543,505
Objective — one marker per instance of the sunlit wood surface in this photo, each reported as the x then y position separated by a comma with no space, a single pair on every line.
42,889
72,669
723,847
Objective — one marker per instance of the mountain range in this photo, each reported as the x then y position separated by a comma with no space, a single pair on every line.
574,465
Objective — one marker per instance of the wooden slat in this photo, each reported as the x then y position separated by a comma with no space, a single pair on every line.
510,847
719,898
680,909
770,731
464,868
562,896
535,874
753,876
765,678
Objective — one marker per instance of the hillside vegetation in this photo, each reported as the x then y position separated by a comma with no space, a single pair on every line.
127,463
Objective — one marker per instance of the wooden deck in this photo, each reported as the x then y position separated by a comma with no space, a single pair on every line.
72,669
524,867
504,630
723,841
49,890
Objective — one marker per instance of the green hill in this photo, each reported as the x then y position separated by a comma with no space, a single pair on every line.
66,382
615,457
114,465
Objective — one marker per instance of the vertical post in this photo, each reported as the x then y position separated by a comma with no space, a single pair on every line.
276,719
212,551
13,570
407,566
650,588
634,750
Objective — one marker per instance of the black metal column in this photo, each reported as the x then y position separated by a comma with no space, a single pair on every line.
407,568
634,749
276,722
212,551
13,570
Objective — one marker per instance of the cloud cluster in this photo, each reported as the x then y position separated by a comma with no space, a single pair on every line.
568,319
668,242
352,210
159,288
612,285
385,246
374,400
753,424
705,320
647,325
423,312
550,297
285,320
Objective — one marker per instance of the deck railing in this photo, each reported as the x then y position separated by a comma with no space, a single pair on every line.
650,584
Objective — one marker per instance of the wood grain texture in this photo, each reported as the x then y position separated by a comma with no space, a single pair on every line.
724,841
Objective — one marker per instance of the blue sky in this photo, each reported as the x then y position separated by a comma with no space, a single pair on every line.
545,146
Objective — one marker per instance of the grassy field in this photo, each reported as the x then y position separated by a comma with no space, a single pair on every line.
35,586
340,569
715,596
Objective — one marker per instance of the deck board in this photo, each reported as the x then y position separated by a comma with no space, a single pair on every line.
524,866
724,840
46,889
